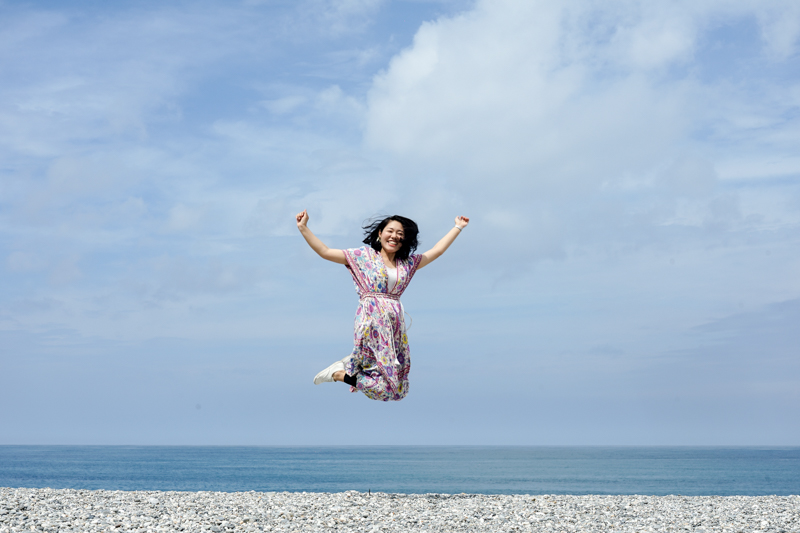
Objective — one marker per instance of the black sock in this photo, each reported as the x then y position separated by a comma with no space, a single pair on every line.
350,380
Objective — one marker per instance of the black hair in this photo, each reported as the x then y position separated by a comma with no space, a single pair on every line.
373,227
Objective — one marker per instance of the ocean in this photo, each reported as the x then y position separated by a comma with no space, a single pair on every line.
688,471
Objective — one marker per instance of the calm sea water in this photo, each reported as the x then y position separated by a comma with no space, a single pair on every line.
408,469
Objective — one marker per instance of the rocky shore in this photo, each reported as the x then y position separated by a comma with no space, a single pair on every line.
51,510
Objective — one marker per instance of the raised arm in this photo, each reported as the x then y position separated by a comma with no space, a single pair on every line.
444,243
337,256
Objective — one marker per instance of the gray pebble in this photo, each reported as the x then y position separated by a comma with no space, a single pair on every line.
51,510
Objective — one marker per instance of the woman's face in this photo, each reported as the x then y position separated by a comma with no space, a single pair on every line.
392,237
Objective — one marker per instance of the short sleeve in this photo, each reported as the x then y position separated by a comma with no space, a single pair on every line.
358,263
355,256
413,261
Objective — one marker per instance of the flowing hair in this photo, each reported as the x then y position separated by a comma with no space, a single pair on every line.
374,226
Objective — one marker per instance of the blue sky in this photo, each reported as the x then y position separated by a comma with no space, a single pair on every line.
631,170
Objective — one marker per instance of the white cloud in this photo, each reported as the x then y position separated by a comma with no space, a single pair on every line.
65,270
19,261
182,218
780,29
181,278
494,90
345,15
690,177
285,104
578,118
657,43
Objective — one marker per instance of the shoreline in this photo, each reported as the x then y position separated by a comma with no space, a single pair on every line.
62,510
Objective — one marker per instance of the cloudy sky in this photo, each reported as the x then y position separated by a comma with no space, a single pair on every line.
631,274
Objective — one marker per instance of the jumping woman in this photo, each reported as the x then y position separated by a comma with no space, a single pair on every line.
381,271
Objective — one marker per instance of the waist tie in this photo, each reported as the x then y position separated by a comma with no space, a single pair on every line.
363,295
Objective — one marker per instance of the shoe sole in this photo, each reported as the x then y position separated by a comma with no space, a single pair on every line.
327,374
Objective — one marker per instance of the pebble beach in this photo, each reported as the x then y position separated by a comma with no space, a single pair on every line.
67,510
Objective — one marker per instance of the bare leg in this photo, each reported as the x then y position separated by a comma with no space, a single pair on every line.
338,375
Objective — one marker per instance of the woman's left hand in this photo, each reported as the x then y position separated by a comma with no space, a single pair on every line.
461,222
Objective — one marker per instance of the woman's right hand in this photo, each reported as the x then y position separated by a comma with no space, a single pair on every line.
302,219
337,256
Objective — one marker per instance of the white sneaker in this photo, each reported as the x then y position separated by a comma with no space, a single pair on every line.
327,374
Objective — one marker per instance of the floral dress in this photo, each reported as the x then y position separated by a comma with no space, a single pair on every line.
380,358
